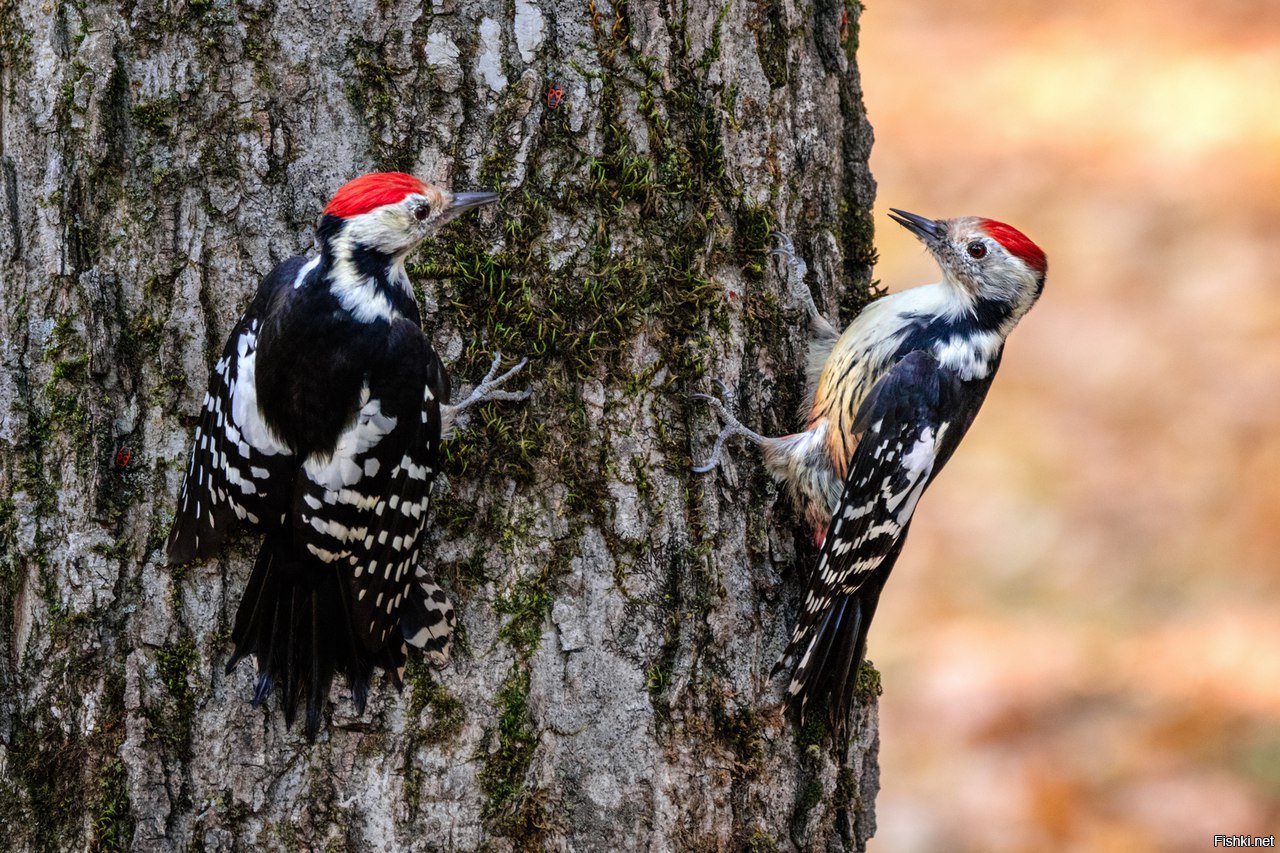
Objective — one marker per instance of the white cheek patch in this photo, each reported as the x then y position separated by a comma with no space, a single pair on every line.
390,230
385,229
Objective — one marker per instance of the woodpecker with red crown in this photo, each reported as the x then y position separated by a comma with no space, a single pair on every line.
321,429
890,399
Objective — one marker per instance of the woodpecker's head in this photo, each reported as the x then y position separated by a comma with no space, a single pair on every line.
994,266
388,213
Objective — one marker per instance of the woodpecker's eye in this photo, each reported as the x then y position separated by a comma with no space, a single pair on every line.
977,249
421,212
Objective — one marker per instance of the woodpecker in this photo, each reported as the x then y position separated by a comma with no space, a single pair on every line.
890,399
321,430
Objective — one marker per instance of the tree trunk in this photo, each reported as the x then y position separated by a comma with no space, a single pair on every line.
619,615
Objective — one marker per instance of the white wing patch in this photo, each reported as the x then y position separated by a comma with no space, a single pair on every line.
365,507
346,466
235,459
244,401
917,465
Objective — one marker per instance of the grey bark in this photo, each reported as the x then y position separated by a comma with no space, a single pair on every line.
620,615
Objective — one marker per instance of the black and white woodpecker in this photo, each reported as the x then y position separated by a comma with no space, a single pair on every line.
890,399
321,429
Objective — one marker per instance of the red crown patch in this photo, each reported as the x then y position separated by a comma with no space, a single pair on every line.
1017,244
367,192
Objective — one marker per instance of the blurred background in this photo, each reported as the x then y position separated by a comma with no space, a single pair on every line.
1081,644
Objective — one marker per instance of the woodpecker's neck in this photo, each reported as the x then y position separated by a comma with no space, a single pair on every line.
370,284
992,304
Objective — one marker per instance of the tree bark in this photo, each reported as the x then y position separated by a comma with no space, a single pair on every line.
619,615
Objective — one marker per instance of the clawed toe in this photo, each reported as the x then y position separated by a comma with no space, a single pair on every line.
488,389
732,426
783,245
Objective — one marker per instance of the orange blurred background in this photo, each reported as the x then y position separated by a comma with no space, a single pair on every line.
1081,643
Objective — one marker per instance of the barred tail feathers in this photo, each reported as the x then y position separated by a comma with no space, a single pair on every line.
827,656
427,620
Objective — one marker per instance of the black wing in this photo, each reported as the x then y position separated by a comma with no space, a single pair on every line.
238,471
910,423
329,588
364,507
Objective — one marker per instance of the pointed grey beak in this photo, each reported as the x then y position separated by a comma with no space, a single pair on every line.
928,230
462,202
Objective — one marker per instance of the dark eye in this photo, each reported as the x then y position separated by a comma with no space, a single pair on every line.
977,249
421,212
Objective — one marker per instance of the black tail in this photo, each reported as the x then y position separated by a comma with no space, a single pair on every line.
827,674
295,618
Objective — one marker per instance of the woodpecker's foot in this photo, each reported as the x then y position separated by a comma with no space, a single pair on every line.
732,426
795,273
489,389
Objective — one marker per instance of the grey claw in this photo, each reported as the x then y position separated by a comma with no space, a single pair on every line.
732,426
786,247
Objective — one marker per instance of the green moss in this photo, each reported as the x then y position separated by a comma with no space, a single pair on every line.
527,604
860,256
847,801
446,713
811,736
687,593
10,571
867,686
810,796
41,784
752,237
372,90
58,780
157,116
760,841
855,10
55,776
713,50
769,25
511,809
15,43
170,724
810,739
501,441
114,823
742,731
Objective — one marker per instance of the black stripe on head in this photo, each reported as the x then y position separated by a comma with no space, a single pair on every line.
328,229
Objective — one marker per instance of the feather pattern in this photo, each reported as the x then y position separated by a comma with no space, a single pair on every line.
908,425
323,432
237,469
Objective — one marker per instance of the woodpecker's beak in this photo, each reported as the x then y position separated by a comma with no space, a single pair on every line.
460,203
928,230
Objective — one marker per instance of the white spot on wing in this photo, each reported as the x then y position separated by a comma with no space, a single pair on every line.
244,402
341,468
